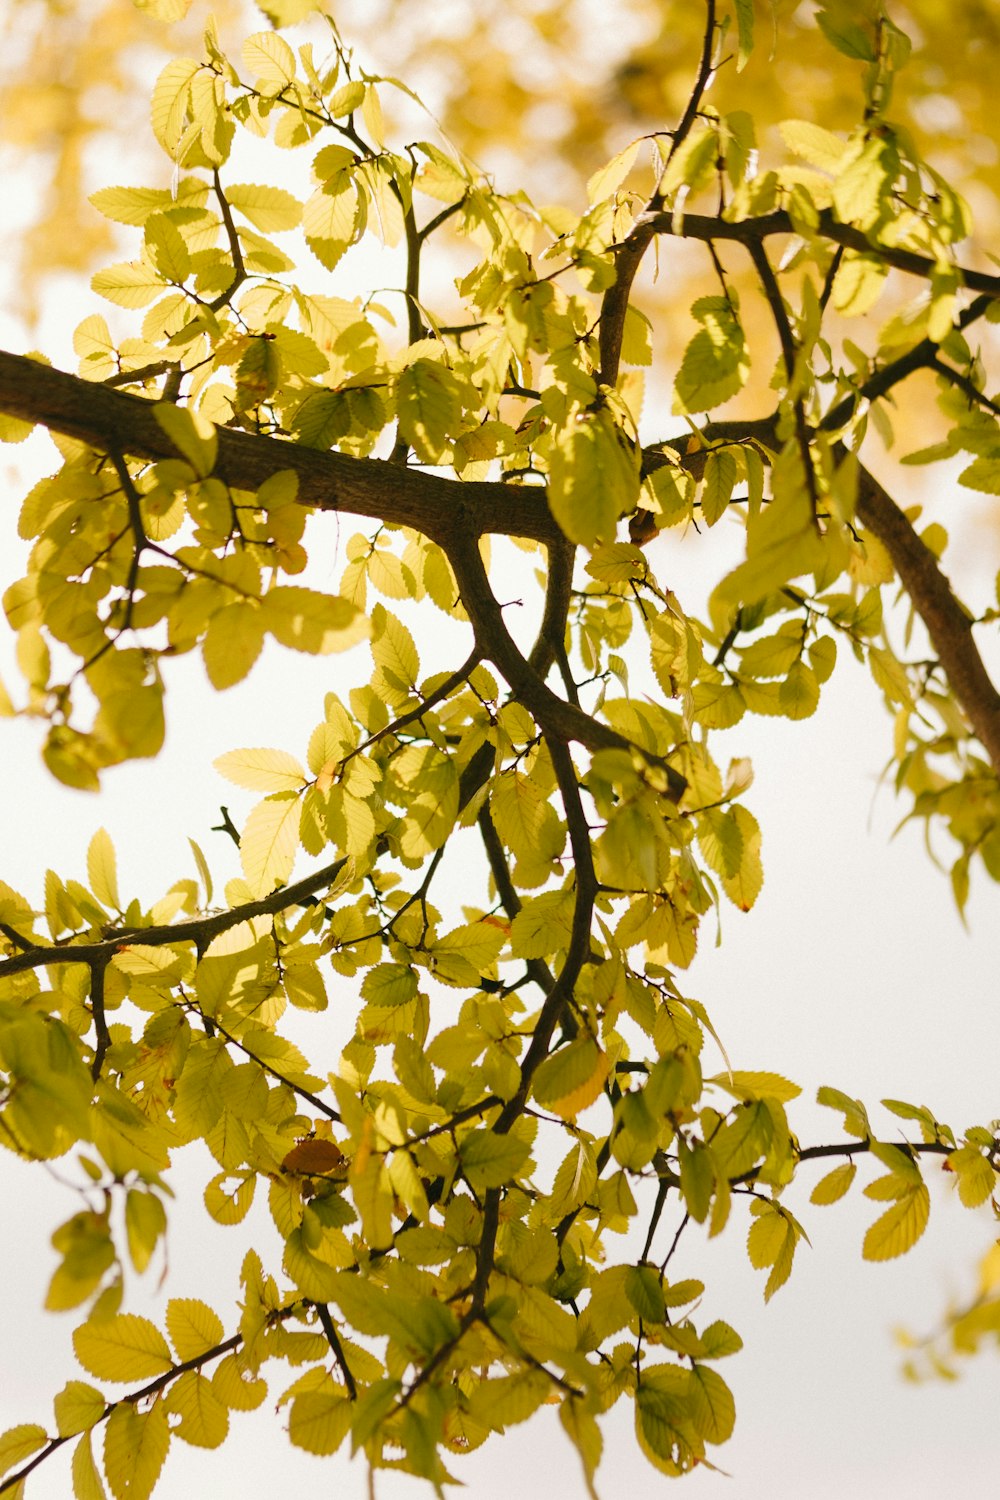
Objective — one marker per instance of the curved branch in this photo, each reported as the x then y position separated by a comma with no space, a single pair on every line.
557,718
947,623
200,930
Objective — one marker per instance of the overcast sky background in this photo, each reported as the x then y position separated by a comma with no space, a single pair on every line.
852,970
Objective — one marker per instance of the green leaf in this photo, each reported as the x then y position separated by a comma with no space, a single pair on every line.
429,405
715,364
593,478
744,26
490,1160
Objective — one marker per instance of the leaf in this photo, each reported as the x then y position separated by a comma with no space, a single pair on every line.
86,1479
192,435
715,364
102,870
819,147
771,1242
571,1078
320,1420
744,26
429,405
270,841
309,621
491,1160
899,1228
19,1443
832,1187
262,770
122,1348
135,1445
129,284
167,250
270,209
753,1085
78,1407
270,59
193,1327
593,478
609,178
204,1419
713,1409
233,642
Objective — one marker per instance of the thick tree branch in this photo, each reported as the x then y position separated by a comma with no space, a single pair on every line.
116,420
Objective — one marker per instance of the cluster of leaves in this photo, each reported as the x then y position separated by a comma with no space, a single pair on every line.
446,1188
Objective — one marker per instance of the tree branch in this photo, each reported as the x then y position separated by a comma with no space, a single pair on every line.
200,930
117,420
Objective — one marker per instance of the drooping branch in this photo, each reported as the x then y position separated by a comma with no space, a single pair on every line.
946,622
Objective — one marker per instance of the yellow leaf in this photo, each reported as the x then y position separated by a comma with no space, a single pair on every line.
835,1184
233,642
193,1327
78,1407
313,622
320,1420
193,436
135,1445
269,842
204,1419
262,770
19,1443
571,1078
899,1227
102,870
123,1348
86,1479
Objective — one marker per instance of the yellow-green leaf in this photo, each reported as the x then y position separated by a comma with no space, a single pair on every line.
19,1443
899,1228
125,1347
262,770
832,1187
102,870
135,1445
193,1327
269,842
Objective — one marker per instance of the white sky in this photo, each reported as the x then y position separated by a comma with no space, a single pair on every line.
852,970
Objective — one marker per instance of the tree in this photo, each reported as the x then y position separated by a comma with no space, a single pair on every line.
526,1078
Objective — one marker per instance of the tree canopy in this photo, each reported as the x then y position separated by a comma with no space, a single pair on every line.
496,853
